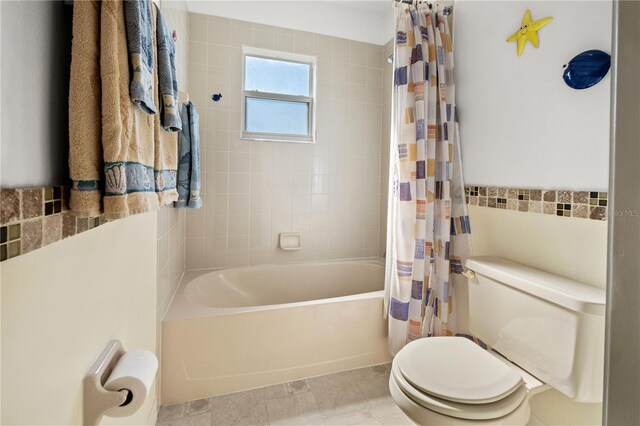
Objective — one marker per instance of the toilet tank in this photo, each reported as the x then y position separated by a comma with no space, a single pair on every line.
551,326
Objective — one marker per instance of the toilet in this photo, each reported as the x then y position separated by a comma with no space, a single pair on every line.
544,331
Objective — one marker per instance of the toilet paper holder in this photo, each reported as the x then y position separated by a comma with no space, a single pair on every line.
97,400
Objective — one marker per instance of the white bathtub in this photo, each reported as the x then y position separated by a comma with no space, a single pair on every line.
242,328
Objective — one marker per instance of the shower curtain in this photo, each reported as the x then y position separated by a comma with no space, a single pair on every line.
428,228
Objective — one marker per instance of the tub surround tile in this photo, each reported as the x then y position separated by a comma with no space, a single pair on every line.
288,183
577,204
37,217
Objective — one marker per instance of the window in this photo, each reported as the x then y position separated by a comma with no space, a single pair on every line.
278,97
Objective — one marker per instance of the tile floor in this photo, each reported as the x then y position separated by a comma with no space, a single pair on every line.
356,397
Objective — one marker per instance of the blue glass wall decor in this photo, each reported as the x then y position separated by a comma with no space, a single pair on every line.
586,69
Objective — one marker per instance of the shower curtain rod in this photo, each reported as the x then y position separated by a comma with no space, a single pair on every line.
447,9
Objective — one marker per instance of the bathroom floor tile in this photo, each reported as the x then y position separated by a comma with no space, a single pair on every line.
296,409
363,417
242,408
355,397
197,406
381,370
202,419
337,400
376,391
171,412
297,386
397,420
275,391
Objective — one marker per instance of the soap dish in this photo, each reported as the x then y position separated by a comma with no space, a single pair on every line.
290,241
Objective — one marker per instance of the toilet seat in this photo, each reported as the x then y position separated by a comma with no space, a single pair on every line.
465,381
456,369
459,410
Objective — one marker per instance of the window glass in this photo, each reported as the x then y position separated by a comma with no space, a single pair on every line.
276,116
275,76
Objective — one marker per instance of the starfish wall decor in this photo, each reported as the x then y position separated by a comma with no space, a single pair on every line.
528,31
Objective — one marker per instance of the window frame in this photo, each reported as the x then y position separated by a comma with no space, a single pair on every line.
310,100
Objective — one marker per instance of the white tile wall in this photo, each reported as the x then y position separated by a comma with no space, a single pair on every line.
172,222
329,191
386,145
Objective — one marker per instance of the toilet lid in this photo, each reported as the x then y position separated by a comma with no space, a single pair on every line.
456,369
492,410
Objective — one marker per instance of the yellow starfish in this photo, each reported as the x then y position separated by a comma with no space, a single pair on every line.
528,31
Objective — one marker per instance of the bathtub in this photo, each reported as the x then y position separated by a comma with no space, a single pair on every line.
241,328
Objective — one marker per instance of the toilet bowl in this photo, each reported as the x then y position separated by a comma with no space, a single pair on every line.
550,328
452,381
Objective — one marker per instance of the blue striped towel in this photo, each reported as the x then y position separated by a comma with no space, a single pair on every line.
189,159
167,76
139,26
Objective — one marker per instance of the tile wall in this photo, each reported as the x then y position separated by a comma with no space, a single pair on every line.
329,191
577,204
386,144
31,218
171,221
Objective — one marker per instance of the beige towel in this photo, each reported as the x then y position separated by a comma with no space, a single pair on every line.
127,132
120,157
85,148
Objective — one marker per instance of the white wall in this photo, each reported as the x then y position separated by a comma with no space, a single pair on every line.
61,304
369,21
328,191
36,51
521,125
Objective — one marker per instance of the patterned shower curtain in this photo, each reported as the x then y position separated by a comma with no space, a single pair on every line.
429,234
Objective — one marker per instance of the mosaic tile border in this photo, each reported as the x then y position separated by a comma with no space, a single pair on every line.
579,204
31,218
